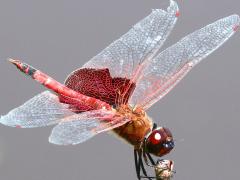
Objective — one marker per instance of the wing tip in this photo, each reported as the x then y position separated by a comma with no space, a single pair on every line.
236,16
173,7
236,21
53,141
60,143
233,21
10,59
5,121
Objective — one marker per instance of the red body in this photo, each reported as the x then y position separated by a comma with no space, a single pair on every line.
65,93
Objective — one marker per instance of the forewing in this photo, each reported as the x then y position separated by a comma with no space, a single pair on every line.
170,66
142,41
42,110
81,127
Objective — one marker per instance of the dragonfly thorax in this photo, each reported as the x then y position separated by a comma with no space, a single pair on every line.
135,130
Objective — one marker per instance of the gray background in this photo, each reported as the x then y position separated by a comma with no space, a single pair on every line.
59,36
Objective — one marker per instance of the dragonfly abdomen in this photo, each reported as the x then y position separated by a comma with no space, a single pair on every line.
59,88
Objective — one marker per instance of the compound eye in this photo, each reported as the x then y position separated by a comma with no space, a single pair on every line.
155,137
159,142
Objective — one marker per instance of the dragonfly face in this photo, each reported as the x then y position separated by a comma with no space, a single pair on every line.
159,142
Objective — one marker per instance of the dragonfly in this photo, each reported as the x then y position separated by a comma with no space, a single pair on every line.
114,89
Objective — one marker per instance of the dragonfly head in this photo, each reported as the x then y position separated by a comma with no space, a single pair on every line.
159,141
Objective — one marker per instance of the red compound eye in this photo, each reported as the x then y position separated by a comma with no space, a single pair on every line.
159,142
155,137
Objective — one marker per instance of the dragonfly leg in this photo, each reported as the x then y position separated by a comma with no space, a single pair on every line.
142,167
151,159
137,164
147,157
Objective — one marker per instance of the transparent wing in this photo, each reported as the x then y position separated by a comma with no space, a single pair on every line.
81,127
142,41
42,110
170,66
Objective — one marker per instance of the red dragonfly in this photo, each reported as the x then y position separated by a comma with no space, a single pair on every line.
114,89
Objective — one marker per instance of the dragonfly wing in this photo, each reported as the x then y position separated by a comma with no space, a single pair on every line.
170,66
81,127
143,40
42,110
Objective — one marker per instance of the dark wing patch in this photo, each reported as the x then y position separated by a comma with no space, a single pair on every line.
99,84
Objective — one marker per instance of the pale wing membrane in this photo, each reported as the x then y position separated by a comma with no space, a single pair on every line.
42,110
81,127
170,66
142,41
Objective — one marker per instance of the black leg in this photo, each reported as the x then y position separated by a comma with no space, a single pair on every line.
137,165
151,159
147,157
142,166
